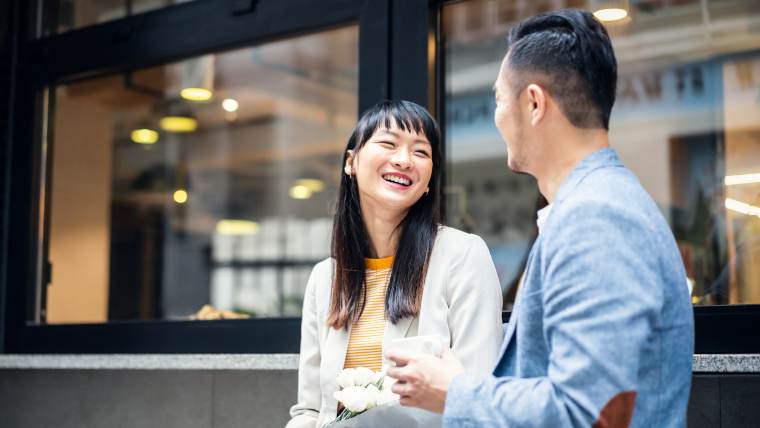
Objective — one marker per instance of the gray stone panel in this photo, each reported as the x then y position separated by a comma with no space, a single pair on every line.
62,398
704,403
253,399
114,399
740,401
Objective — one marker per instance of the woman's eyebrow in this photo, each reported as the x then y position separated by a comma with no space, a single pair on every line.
396,134
388,131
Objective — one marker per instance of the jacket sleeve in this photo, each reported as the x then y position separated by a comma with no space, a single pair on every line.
305,412
600,297
475,303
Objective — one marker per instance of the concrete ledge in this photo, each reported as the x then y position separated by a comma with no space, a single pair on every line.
726,363
703,363
151,361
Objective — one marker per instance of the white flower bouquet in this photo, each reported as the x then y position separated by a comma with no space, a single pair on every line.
361,389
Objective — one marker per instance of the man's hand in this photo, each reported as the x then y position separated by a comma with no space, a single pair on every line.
423,380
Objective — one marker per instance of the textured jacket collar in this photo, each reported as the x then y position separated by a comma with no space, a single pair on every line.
601,158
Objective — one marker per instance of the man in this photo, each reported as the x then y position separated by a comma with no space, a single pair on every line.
602,329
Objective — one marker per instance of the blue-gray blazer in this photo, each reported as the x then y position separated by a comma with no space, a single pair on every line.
602,330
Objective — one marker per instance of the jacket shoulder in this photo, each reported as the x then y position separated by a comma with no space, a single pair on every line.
454,238
321,274
453,245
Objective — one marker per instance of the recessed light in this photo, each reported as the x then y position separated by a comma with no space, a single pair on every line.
178,124
196,94
144,136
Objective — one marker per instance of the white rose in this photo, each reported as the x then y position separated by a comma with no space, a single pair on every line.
386,396
345,378
357,399
363,376
343,395
371,394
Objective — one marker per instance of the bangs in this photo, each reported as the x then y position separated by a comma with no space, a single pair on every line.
404,120
407,116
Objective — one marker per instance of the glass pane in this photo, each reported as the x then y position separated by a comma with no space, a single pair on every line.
686,121
203,182
72,14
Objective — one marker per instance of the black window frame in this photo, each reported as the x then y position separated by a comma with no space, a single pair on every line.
720,329
389,44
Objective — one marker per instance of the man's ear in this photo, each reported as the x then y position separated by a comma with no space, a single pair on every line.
536,96
349,167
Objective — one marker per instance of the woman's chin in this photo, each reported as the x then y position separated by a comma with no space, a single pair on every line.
402,204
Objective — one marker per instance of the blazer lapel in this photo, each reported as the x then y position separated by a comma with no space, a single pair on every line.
509,333
333,359
512,325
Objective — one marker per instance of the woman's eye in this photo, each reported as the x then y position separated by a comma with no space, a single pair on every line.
387,144
422,153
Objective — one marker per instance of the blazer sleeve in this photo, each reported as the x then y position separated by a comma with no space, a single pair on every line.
305,412
475,303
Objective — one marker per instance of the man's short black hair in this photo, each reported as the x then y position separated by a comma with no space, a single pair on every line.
569,53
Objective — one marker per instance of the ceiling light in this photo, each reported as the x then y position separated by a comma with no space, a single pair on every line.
230,105
144,136
742,207
312,184
300,192
610,10
731,180
237,227
196,94
610,15
179,124
194,78
180,196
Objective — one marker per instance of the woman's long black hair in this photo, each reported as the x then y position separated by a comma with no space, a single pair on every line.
351,242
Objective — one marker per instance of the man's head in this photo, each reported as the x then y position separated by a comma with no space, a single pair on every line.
559,69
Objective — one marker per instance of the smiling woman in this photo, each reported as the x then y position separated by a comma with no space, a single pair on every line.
386,142
395,271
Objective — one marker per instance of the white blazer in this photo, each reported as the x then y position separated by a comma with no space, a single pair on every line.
461,301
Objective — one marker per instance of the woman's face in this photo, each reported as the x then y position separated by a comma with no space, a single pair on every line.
392,169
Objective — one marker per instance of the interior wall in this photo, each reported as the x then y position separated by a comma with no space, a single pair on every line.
80,214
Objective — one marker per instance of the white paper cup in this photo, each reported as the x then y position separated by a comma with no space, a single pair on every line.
429,344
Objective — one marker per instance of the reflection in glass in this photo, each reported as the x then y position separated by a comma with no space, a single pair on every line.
163,202
73,14
686,121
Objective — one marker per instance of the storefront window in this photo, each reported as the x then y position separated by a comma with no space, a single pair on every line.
686,122
199,189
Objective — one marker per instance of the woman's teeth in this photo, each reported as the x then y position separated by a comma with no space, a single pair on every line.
397,180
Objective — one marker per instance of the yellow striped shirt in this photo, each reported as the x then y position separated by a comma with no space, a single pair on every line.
365,345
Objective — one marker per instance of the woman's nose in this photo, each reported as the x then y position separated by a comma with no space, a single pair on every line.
401,159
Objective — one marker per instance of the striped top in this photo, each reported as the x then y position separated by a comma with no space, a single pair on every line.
365,345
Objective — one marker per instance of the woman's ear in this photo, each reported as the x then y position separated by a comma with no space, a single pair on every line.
349,167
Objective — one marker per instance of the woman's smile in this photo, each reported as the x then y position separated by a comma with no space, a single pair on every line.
397,180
